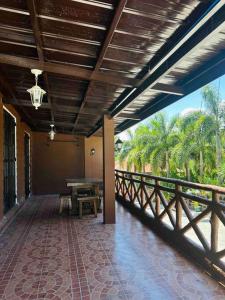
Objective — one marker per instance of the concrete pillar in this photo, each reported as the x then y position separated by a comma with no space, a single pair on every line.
108,171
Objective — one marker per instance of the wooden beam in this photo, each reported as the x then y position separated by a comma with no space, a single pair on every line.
110,33
25,103
210,20
37,35
57,108
168,89
68,70
129,116
187,45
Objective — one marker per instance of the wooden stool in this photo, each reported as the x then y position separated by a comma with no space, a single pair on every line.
65,200
90,199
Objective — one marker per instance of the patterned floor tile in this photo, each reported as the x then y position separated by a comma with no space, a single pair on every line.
47,256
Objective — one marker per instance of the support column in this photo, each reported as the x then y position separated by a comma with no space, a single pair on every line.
1,158
108,171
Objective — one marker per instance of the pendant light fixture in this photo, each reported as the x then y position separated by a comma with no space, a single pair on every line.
119,144
36,93
52,132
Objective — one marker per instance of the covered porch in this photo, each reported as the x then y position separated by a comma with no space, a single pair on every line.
106,65
45,256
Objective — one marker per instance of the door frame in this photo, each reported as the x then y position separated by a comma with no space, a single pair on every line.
27,133
12,115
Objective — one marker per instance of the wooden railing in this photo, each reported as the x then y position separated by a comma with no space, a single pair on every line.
191,211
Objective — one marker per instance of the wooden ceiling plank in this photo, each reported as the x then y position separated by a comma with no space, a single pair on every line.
25,103
116,18
37,35
168,56
129,116
58,108
168,89
110,33
67,70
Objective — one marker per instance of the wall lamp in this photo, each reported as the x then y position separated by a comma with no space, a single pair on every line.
92,152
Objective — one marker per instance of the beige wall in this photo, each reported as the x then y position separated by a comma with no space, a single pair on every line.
51,162
21,128
55,161
93,163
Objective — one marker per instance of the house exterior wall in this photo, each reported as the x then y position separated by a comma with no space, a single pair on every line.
21,128
54,161
93,163
51,162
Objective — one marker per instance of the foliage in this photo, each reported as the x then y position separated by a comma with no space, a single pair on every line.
189,146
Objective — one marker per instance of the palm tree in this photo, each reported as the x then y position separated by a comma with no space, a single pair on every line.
132,150
214,106
164,136
195,136
182,152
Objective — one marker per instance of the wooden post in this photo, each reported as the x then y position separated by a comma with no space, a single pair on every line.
108,170
1,158
178,208
214,223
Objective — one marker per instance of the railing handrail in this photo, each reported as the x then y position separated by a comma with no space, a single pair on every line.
176,203
206,187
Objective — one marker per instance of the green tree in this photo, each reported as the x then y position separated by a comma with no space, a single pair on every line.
214,106
163,137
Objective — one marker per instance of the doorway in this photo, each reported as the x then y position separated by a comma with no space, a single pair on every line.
9,156
27,163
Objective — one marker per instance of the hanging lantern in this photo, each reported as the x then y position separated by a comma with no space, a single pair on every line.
36,93
52,133
119,144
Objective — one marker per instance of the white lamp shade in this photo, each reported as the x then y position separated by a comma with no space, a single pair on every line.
52,135
36,94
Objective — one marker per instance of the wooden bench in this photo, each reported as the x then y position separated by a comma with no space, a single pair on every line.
65,201
91,197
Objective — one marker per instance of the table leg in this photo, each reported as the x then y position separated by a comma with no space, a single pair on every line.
80,209
95,208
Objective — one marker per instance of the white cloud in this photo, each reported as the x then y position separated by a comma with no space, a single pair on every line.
188,111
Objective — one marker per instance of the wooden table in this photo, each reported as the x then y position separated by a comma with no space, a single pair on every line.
75,183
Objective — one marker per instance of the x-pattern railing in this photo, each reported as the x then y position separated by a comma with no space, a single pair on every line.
172,199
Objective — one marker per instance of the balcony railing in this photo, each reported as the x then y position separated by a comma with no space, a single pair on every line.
193,213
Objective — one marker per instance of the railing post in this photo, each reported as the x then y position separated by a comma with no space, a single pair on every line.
214,223
142,192
123,186
157,199
178,208
131,188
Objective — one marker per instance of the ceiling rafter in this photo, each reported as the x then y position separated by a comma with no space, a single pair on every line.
116,18
68,70
37,35
210,21
58,108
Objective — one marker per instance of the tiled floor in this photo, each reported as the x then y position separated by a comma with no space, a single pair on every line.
45,256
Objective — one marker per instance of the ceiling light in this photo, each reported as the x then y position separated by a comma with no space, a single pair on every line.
36,93
119,144
52,132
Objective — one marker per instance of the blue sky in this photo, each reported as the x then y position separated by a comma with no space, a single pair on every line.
193,100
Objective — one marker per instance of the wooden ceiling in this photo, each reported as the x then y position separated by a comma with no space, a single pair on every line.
127,58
